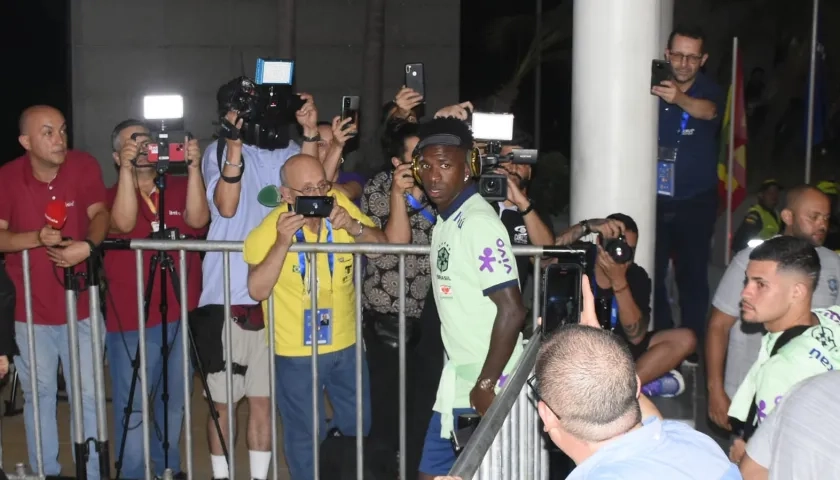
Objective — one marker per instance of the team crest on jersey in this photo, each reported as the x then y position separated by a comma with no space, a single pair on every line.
832,286
825,337
443,258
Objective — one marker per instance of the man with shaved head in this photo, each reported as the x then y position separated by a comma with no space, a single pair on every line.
274,271
735,345
67,180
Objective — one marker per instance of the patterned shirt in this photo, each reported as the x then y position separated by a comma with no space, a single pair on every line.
381,284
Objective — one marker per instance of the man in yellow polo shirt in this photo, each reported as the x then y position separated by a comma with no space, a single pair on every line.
476,287
273,270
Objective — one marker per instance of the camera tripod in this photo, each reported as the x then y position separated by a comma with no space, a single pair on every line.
163,261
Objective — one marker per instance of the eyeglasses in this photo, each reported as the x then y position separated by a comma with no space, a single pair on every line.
319,189
679,57
534,386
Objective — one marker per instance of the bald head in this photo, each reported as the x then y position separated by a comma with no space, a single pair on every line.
43,134
806,214
587,377
302,175
36,116
803,194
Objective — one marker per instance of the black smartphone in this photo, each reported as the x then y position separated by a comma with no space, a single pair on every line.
562,302
350,109
660,71
314,206
415,79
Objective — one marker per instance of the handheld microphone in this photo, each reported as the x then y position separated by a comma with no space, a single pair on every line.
56,214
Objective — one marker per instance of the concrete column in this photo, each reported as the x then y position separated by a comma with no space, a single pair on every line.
666,24
614,116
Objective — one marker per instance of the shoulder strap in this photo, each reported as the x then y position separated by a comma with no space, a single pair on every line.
784,338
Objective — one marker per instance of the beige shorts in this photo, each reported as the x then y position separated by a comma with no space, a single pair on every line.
248,349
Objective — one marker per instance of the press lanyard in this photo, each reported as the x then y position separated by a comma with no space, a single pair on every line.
152,205
614,313
683,123
416,205
302,255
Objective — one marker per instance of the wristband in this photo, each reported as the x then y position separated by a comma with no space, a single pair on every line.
91,245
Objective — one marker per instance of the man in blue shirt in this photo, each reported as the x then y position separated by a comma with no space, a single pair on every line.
233,180
690,109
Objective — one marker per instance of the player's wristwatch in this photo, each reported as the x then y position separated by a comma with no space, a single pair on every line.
487,384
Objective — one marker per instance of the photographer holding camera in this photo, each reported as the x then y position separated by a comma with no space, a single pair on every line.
134,202
622,291
252,148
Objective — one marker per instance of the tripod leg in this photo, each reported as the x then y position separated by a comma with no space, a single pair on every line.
135,372
214,414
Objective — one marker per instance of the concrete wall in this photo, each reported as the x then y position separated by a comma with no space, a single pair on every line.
123,50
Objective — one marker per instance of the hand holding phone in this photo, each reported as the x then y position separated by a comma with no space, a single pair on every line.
350,109
660,71
415,78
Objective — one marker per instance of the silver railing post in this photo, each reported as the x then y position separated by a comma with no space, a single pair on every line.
98,360
143,372
272,384
228,350
316,389
402,333
360,418
33,362
186,371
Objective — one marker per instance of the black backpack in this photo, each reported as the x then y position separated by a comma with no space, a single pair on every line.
338,458
746,429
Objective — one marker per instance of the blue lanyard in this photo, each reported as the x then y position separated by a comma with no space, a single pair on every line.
614,312
416,205
683,123
302,256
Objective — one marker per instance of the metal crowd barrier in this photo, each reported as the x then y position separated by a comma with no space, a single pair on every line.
509,430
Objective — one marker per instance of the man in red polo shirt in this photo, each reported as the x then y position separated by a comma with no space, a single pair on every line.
50,172
134,202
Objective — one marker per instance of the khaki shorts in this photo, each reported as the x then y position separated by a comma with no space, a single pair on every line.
248,349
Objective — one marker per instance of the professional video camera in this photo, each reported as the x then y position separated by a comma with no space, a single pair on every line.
492,129
267,105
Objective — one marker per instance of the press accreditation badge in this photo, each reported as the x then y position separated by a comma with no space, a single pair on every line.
155,226
665,171
323,327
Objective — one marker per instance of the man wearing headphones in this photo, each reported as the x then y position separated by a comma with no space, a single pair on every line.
474,279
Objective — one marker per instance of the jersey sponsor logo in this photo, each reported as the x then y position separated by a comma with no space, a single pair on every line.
69,204
459,219
825,336
822,358
443,258
445,290
762,412
488,258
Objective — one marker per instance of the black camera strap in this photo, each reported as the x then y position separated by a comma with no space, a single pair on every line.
228,130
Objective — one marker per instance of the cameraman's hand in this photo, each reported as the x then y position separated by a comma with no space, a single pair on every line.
341,134
231,117
128,153
342,220
288,223
616,272
307,116
460,111
588,316
193,153
407,100
514,194
607,227
49,237
403,180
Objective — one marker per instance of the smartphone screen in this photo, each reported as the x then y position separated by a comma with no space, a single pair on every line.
350,109
415,79
561,296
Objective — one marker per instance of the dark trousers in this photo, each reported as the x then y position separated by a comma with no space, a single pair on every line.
684,229
424,363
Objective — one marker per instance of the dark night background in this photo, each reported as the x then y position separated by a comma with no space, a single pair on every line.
37,48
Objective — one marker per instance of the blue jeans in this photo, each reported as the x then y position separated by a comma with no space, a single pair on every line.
336,374
52,346
684,228
121,349
438,454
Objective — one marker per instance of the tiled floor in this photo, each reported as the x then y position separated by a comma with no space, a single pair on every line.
14,439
